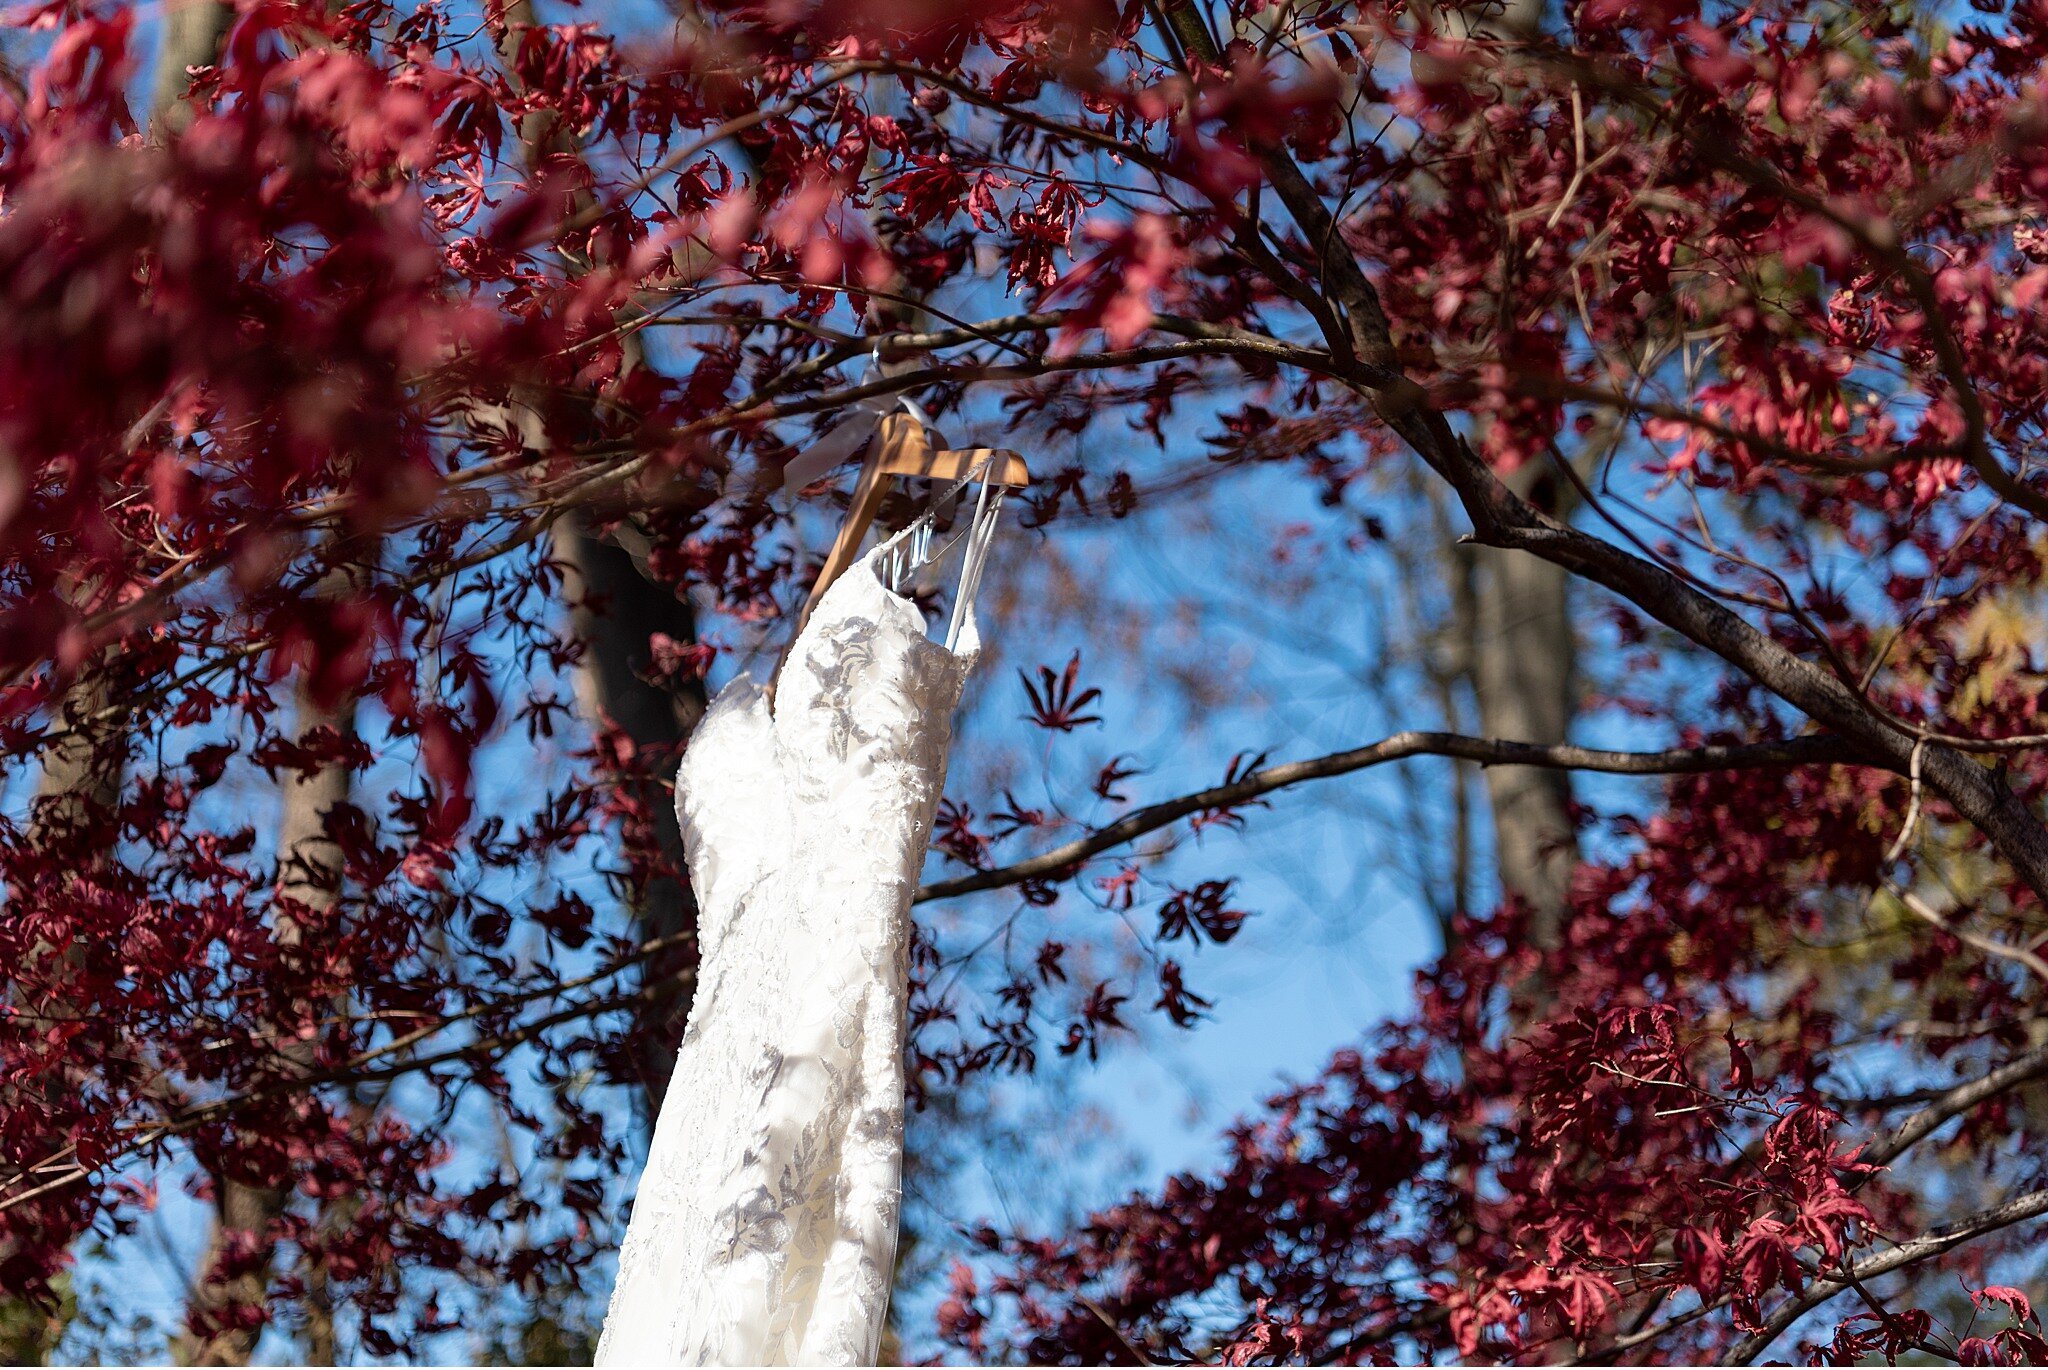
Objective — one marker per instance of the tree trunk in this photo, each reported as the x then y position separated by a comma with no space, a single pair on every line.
192,37
616,607
1524,672
193,31
218,1331
1524,669
309,878
82,770
616,610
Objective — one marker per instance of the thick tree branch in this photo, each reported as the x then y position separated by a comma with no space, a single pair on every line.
893,346
1964,1097
598,483
1803,751
1941,1239
1502,519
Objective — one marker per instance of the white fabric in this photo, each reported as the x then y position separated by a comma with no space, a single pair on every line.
764,1232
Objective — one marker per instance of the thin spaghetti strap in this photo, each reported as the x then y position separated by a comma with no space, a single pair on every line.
981,534
903,553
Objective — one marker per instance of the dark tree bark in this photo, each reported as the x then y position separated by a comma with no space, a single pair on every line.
617,609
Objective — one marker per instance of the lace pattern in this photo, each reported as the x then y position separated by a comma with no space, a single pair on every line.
764,1232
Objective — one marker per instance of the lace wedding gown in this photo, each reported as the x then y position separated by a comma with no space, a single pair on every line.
765,1228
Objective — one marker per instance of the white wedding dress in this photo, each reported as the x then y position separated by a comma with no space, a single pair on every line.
764,1232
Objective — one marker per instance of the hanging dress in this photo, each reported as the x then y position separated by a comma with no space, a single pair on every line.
764,1232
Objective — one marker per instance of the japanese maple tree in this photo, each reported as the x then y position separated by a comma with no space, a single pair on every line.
405,381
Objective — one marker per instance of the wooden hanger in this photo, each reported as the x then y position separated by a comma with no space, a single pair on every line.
902,448
916,459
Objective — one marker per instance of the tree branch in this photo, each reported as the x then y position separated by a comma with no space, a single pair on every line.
2031,1066
1500,518
1880,239
1941,1239
1802,751
361,1068
1964,1097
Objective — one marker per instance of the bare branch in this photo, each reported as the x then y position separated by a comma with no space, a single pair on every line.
1961,1099
1802,751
